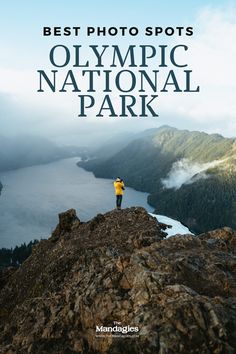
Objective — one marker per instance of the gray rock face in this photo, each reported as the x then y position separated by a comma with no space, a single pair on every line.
67,221
118,270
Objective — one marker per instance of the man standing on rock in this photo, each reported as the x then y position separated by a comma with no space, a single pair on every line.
119,188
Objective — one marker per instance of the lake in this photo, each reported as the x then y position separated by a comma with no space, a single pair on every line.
33,196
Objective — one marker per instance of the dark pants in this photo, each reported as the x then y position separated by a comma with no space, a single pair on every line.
118,201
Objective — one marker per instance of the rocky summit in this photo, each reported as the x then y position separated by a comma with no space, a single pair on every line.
115,285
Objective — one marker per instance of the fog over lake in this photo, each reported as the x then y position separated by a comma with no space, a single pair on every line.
32,197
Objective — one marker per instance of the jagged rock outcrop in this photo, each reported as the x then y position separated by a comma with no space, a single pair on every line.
118,270
67,221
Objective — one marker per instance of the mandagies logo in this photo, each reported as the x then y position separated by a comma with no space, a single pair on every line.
117,328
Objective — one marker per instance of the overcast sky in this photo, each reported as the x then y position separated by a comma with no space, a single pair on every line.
211,56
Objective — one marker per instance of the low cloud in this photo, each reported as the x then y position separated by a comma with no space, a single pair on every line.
183,171
211,56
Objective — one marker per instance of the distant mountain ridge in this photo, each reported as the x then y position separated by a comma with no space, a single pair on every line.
26,150
206,202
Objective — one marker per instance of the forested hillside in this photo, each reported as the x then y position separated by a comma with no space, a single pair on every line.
205,200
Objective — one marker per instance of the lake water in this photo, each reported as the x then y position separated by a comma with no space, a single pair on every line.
32,197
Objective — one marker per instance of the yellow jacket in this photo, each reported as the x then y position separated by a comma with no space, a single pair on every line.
118,187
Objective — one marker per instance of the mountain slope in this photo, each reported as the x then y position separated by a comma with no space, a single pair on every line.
117,268
203,205
201,202
23,151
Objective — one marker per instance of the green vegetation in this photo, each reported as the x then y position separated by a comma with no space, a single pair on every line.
204,204
16,256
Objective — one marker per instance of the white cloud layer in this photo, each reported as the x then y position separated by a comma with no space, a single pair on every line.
182,172
211,56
